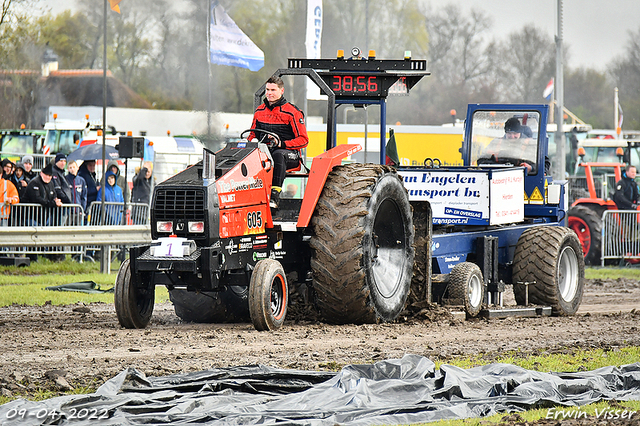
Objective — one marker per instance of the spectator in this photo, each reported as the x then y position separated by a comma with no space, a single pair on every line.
626,195
7,168
41,191
63,189
291,191
27,160
112,166
142,184
78,185
19,179
8,195
87,171
112,194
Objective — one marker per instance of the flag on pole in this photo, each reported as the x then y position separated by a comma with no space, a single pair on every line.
548,90
313,42
620,118
229,45
391,150
114,5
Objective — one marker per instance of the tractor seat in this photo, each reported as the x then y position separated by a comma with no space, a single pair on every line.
292,172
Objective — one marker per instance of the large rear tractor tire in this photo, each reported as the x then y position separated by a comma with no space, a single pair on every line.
587,225
362,245
230,305
134,306
550,259
466,287
268,295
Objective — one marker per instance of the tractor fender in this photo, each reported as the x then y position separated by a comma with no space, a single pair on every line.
320,169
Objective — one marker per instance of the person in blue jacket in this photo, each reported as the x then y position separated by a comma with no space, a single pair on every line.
112,194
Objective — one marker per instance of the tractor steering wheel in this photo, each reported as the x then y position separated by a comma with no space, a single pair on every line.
271,142
502,160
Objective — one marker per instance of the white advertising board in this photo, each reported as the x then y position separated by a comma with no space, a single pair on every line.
507,196
469,197
456,197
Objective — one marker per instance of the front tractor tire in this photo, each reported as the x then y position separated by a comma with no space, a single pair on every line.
550,259
134,306
466,287
362,245
268,295
587,225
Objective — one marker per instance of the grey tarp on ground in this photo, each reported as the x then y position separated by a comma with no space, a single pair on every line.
82,286
400,391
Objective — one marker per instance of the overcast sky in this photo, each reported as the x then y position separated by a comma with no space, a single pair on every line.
595,31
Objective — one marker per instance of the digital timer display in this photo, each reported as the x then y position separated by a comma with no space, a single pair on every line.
355,85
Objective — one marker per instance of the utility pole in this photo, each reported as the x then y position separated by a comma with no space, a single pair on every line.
560,162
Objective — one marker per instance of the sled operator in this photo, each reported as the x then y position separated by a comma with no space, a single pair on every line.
281,117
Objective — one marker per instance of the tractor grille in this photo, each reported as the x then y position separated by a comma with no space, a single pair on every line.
179,204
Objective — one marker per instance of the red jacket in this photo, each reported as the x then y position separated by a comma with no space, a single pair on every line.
283,119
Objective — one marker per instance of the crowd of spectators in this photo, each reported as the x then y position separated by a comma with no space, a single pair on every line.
52,187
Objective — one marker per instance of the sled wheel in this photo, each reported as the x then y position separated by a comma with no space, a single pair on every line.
134,306
550,259
467,286
268,295
227,306
587,225
362,245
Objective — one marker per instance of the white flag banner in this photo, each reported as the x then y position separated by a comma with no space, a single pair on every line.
229,45
313,42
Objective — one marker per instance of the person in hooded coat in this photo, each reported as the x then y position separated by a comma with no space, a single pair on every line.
112,194
19,179
112,166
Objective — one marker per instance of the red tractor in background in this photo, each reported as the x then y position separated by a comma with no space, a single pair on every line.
588,205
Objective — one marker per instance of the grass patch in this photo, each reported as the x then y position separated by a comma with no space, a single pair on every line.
612,273
26,285
577,360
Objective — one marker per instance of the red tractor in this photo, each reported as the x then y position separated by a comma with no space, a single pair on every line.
585,214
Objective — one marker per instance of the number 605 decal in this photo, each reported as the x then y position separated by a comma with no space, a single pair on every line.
254,220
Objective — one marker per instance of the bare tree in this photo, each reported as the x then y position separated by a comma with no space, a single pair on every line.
457,47
528,62
625,72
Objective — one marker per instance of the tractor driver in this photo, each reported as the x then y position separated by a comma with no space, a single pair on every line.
517,146
281,117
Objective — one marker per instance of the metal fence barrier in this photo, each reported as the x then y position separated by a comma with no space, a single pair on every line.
621,236
39,237
24,215
136,214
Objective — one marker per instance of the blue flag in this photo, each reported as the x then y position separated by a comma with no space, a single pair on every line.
229,45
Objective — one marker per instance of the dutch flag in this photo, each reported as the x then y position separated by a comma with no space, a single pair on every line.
548,90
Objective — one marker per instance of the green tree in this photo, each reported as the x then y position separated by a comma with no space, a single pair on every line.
72,37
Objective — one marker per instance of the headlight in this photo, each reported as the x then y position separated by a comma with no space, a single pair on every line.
164,226
196,227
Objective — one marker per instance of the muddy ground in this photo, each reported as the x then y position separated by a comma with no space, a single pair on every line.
59,347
